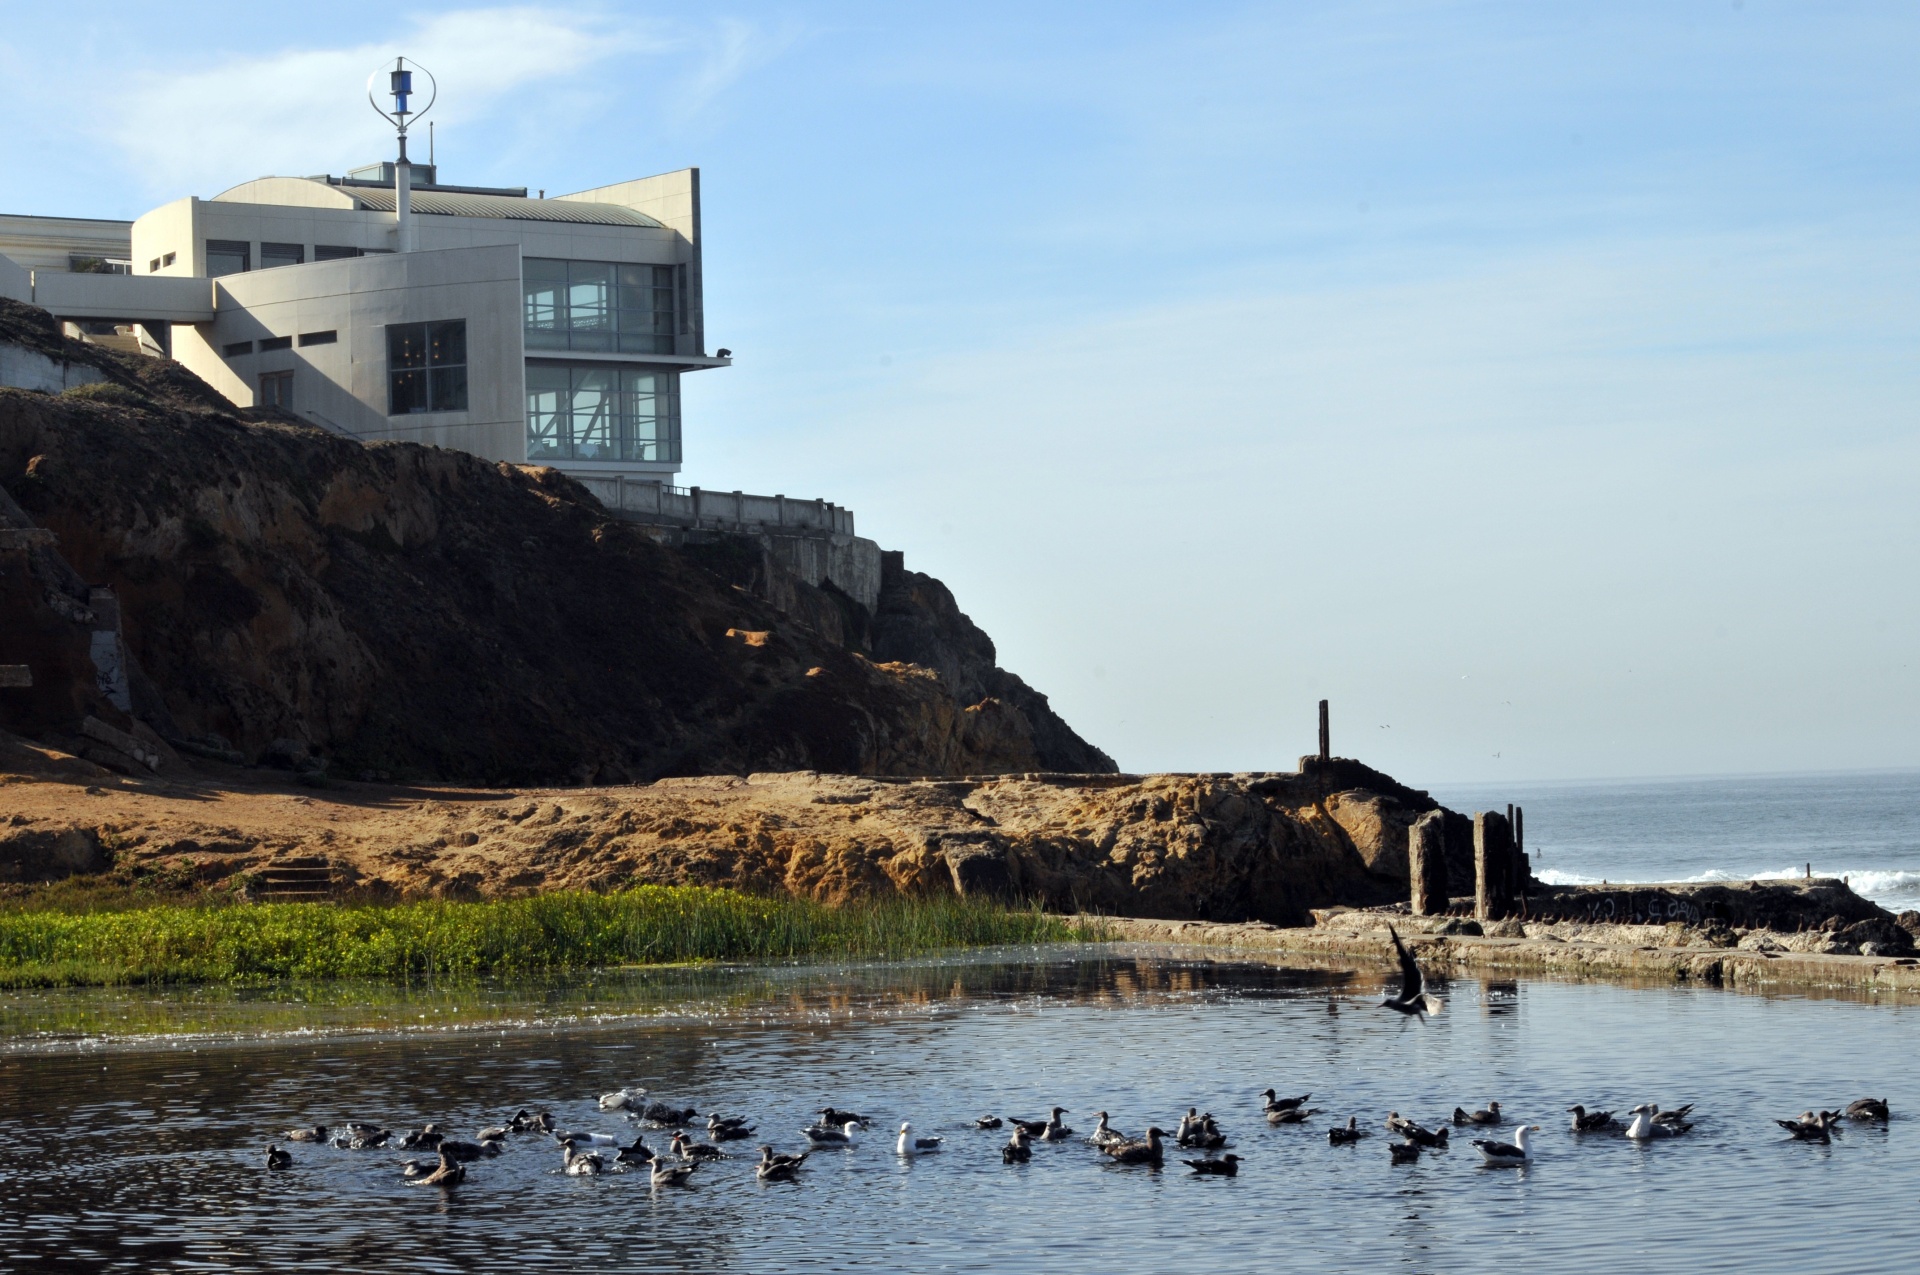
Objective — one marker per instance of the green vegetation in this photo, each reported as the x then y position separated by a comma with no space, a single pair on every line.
171,943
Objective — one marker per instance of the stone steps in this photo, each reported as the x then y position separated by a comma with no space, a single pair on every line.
296,881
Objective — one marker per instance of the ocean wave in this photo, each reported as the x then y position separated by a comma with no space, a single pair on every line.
1889,888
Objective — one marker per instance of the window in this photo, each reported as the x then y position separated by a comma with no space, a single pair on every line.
601,412
319,338
281,254
600,306
276,389
276,343
237,347
153,266
427,367
80,263
333,252
167,260
227,256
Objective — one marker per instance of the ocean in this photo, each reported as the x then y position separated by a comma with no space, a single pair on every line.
1864,826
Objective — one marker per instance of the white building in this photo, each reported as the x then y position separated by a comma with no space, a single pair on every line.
533,330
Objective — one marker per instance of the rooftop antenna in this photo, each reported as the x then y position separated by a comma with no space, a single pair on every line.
400,89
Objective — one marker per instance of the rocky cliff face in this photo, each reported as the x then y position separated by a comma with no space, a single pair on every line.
394,610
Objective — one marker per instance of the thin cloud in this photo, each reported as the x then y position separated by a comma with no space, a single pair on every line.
306,111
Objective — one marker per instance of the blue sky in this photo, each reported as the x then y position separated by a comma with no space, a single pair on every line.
1538,383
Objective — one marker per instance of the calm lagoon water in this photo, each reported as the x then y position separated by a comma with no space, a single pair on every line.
1865,827
146,1154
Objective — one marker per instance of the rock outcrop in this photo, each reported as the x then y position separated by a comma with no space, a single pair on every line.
284,596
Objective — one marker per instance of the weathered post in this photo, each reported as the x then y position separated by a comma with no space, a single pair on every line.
1492,866
1427,864
1326,735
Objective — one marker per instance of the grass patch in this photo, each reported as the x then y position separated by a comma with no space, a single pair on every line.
646,925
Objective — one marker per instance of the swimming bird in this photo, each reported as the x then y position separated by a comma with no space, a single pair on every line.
523,1122
1514,1152
1404,1152
415,1168
622,1099
1145,1150
1412,998
1352,1133
318,1133
1055,1131
1810,1127
1489,1115
1206,1136
822,1136
988,1122
1019,1148
447,1174
1227,1166
586,1139
910,1145
577,1163
278,1159
834,1116
1868,1109
1644,1125
1033,1127
426,1138
731,1129
667,1173
492,1133
781,1168
694,1152
454,1149
1188,1123
638,1153
1291,1115
1678,1116
1104,1134
1274,1103
1585,1121
361,1137
660,1115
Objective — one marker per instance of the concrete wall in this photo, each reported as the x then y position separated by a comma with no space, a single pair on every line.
343,385
718,510
30,370
120,296
16,283
45,243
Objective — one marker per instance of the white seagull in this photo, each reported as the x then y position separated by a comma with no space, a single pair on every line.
910,1145
823,1136
621,1099
1647,1124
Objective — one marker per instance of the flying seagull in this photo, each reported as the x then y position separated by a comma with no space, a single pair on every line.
1413,998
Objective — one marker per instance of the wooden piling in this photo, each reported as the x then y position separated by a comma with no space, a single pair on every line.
1493,866
1427,864
1326,734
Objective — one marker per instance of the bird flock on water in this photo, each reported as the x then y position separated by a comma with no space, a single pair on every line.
584,1153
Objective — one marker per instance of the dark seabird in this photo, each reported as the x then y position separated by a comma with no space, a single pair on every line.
1019,1148
1273,1103
694,1152
1205,1136
910,1145
1104,1134
1868,1109
1502,1153
1291,1115
454,1149
825,1136
1677,1116
1416,1133
667,1173
278,1159
661,1116
728,1129
1055,1131
988,1122
1585,1121
1490,1115
362,1137
1337,1137
426,1138
779,1168
1809,1127
637,1153
1145,1150
448,1174
317,1133
1412,997
835,1117
523,1122
1227,1166
1404,1152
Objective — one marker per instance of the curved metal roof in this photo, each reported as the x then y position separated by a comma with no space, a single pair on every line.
440,203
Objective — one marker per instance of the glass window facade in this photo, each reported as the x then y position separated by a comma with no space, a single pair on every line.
281,254
601,307
426,367
228,256
598,411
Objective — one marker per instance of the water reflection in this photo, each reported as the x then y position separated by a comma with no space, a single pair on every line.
130,1158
